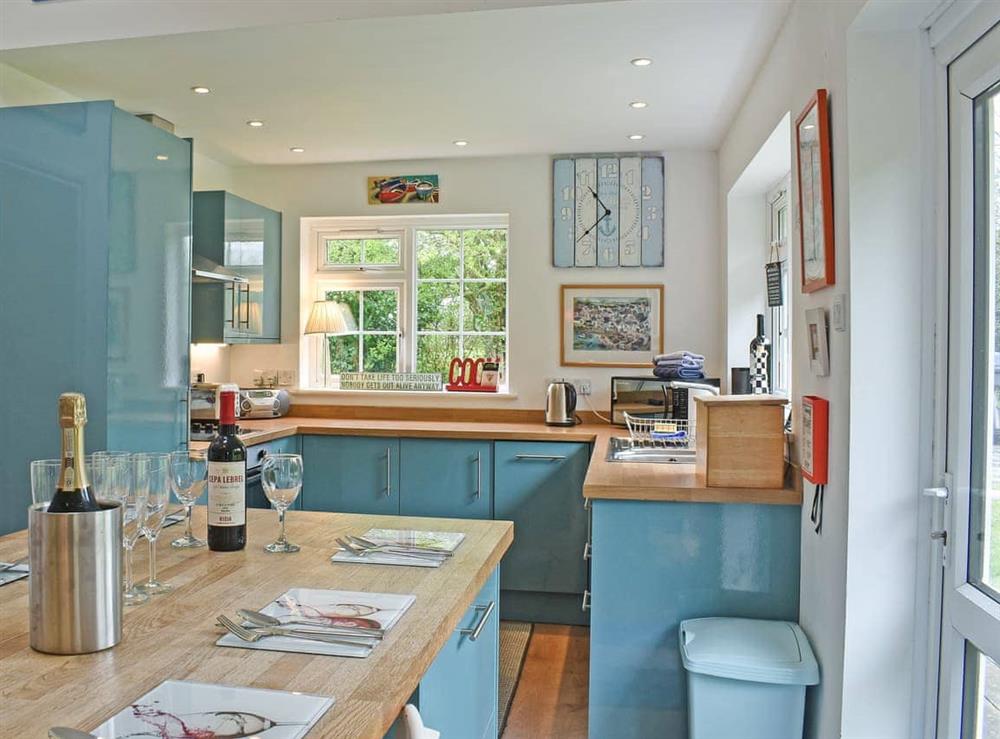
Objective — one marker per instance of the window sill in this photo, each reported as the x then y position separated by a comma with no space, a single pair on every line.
447,396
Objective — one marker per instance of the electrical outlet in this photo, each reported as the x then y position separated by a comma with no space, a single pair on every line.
583,387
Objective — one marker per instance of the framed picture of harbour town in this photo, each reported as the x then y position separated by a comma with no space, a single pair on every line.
611,325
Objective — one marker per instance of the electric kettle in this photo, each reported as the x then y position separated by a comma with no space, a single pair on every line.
560,404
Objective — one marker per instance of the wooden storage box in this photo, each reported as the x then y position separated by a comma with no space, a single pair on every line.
741,440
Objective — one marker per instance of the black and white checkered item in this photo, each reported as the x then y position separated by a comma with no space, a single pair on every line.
760,383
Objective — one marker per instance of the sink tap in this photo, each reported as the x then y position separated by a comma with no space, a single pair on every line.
685,385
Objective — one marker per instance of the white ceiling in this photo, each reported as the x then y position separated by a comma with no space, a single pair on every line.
553,79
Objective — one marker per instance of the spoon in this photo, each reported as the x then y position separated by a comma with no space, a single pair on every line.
262,619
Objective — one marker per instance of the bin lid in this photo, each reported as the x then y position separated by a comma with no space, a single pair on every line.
776,652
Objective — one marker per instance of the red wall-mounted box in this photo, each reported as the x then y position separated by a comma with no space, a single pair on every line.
815,439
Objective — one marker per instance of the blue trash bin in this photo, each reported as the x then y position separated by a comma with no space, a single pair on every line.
746,678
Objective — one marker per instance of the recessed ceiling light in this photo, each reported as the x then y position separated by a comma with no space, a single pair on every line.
641,62
200,90
638,104
255,124
296,150
460,142
636,137
162,157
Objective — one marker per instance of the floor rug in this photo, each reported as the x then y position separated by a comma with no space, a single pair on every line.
514,638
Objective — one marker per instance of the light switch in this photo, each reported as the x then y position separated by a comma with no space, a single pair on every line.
838,313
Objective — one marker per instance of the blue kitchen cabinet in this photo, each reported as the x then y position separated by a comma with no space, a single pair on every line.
95,223
539,486
448,478
351,474
244,238
655,564
459,692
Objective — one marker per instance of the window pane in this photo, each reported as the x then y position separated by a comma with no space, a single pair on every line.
380,353
381,251
437,306
984,547
351,297
485,306
435,352
438,254
343,251
381,311
486,347
344,353
981,713
486,253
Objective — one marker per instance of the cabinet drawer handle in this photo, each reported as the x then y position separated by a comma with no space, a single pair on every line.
586,504
586,601
388,471
586,550
475,632
479,475
541,457
231,287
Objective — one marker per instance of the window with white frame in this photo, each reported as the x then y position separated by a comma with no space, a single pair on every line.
779,329
421,290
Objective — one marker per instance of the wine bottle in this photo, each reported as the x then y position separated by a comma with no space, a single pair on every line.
72,493
227,480
760,360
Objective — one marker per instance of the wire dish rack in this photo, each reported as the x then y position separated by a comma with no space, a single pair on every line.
668,433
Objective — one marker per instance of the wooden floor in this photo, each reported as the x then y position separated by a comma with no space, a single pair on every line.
551,697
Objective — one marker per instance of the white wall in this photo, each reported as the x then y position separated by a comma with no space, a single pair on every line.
746,231
18,88
521,187
809,53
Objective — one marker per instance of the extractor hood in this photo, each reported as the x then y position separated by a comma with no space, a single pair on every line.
205,270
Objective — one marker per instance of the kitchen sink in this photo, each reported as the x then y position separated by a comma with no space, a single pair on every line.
623,449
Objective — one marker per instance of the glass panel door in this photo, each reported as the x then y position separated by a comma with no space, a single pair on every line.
970,631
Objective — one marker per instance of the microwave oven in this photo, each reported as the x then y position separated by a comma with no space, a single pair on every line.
651,397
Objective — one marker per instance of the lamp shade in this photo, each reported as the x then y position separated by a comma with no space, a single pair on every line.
330,317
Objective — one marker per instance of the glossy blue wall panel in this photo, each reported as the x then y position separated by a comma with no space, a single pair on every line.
54,230
563,213
652,204
149,287
458,694
655,564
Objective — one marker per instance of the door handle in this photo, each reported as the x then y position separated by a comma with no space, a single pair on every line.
587,550
476,631
388,471
541,457
231,287
585,606
479,476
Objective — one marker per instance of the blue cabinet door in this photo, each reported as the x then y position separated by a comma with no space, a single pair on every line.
656,564
458,694
539,486
448,478
351,474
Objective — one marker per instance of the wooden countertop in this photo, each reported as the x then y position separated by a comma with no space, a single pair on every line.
173,635
605,480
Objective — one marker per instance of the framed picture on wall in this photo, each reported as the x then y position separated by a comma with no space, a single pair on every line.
611,325
815,180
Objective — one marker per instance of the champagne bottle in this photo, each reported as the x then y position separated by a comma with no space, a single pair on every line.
227,480
73,494
760,360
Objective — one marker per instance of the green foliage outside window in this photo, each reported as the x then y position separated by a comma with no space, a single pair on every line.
374,347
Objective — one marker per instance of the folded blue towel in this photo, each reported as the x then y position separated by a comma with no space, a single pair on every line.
685,362
678,355
678,373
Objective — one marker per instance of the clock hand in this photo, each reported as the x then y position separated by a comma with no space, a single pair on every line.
596,223
607,210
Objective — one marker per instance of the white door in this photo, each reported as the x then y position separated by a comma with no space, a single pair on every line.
969,702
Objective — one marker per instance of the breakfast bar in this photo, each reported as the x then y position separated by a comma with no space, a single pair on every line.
174,635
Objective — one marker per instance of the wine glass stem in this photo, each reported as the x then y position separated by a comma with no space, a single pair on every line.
128,569
281,520
152,560
187,513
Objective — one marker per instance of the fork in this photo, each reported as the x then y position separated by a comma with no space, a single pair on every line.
258,633
402,548
361,550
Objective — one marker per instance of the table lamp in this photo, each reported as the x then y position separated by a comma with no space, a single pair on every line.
329,317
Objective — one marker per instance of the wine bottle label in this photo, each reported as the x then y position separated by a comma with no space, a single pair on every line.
227,492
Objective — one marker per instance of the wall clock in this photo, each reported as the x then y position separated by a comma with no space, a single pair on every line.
608,211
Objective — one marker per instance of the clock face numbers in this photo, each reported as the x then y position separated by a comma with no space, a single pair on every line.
586,212
629,239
